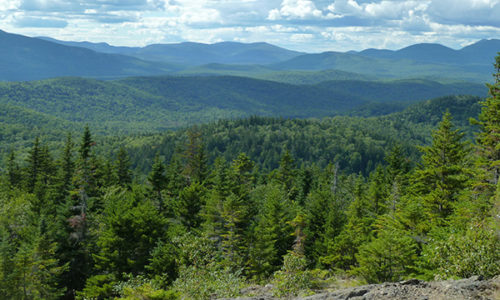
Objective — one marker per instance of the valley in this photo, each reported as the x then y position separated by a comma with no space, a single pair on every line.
206,171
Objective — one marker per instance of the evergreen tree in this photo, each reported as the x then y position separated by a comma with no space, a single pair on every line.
377,190
219,191
33,168
196,157
390,256
272,236
67,166
286,173
123,173
488,137
158,181
13,171
341,252
444,172
191,201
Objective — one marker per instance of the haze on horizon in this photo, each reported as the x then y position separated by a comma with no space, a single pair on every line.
304,25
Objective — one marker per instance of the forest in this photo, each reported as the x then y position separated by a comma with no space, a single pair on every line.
295,203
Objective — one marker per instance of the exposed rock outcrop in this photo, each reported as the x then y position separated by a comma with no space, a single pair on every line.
414,289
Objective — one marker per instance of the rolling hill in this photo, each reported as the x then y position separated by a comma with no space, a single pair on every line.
386,67
151,104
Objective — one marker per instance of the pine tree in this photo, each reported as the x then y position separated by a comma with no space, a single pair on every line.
123,173
158,181
390,256
191,201
33,168
196,157
488,138
67,166
341,252
444,172
242,168
272,236
377,190
219,191
286,173
13,171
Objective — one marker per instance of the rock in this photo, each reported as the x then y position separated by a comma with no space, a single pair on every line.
414,289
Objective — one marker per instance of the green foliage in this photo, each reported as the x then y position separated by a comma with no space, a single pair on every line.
200,263
489,136
390,256
129,229
445,169
189,205
99,287
123,173
147,292
463,254
208,281
293,279
337,194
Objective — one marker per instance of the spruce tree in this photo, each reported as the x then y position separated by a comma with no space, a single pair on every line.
488,137
219,191
67,166
191,200
444,172
13,171
196,158
123,173
158,181
33,168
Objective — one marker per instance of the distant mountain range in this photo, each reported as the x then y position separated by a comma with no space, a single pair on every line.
25,58
480,53
195,54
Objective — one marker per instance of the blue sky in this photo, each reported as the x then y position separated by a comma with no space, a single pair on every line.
306,25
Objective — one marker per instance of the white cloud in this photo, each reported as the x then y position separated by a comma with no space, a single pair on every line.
296,9
479,12
9,4
310,25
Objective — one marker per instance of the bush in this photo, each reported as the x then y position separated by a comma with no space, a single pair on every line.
293,279
205,282
389,257
464,254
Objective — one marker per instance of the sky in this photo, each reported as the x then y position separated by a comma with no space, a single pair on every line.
303,25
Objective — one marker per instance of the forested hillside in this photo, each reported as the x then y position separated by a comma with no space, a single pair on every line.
148,104
293,176
357,144
309,201
262,138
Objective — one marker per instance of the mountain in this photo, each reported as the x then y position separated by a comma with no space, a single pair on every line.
481,52
257,60
25,58
387,67
195,54
429,53
476,57
97,47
